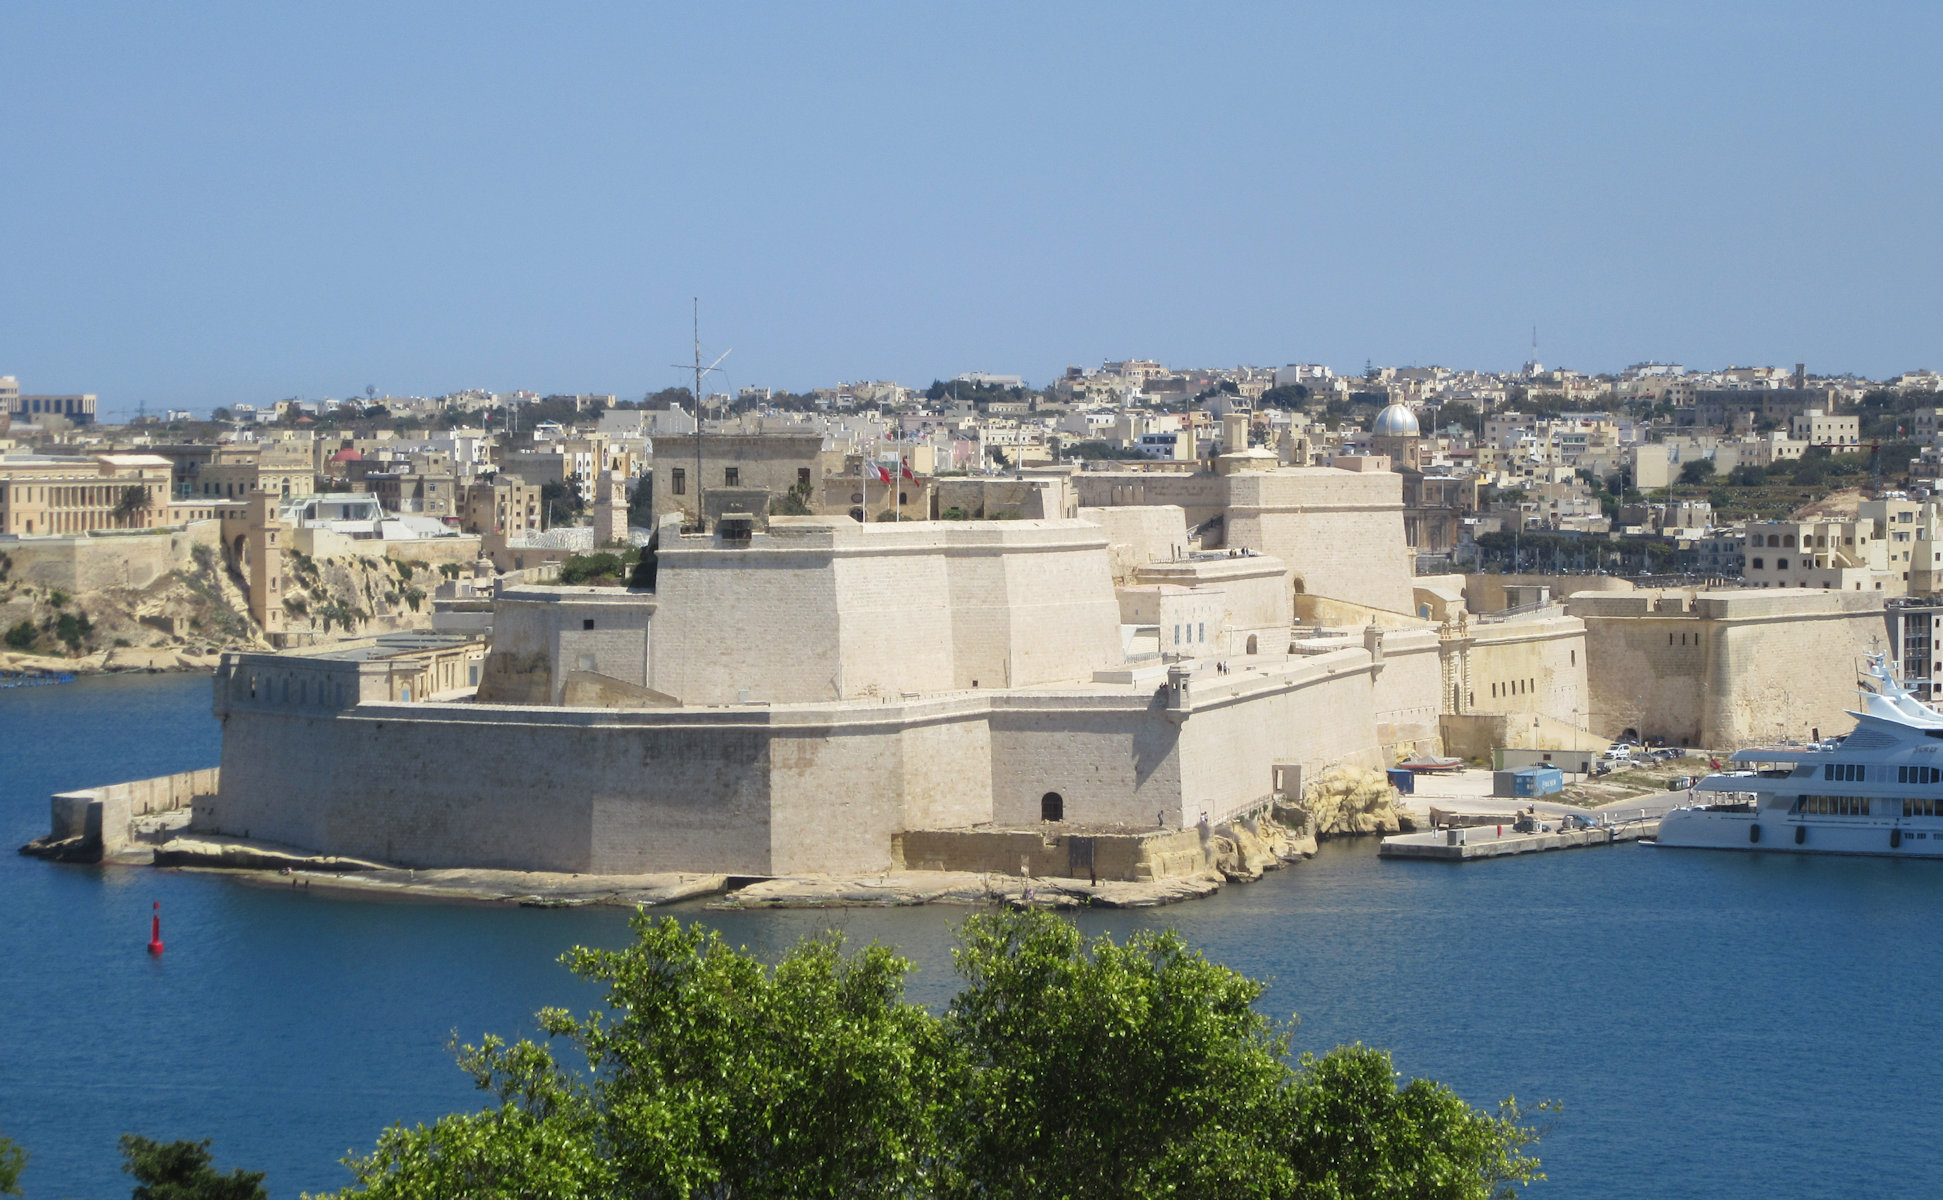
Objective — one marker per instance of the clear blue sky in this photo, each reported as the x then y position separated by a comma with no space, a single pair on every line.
209,203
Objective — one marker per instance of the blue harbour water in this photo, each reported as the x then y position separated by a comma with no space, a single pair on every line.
1717,1025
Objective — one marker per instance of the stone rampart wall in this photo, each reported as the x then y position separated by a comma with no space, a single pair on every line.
1537,666
1486,593
759,790
1340,532
104,814
93,564
1139,534
1722,669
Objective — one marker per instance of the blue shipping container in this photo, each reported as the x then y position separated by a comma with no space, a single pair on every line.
1537,781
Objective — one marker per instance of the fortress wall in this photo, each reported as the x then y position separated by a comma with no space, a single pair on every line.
540,637
1649,667
819,609
835,801
1230,746
1139,534
494,789
1198,496
1786,675
947,773
981,624
894,614
1065,618
1404,694
1110,764
1340,532
1536,666
1722,669
762,619
92,564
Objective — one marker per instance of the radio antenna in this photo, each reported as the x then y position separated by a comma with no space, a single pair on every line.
701,520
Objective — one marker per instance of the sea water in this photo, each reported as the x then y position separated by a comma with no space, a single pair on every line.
1717,1025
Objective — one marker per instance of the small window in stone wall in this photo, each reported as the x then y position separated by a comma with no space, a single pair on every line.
1052,807
587,623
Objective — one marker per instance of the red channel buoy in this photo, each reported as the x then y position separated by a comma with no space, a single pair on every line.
155,930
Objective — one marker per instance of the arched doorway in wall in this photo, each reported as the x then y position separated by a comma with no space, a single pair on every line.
1052,807
1251,643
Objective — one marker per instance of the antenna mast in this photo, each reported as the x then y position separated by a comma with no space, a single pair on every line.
701,519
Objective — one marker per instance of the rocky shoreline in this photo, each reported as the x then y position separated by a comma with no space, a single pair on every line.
1241,852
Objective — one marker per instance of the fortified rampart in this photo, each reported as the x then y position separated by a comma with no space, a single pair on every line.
783,789
1722,669
97,562
823,609
1340,532
103,818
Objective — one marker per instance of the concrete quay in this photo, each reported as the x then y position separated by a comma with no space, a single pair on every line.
1488,841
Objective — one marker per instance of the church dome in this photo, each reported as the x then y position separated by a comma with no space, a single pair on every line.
1396,421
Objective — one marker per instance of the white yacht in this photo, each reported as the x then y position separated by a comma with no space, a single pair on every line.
1877,791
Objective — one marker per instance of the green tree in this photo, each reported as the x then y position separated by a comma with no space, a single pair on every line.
795,502
562,500
74,628
181,1171
133,501
13,1160
1353,1133
712,1075
1697,472
1459,413
1063,1068
21,635
1111,1071
640,502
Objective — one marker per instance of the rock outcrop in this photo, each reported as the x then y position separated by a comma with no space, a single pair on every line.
1345,801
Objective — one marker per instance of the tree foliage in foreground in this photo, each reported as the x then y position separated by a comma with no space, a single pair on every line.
13,1160
1063,1068
182,1171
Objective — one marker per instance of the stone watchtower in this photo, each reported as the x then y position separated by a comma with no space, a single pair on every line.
610,508
254,540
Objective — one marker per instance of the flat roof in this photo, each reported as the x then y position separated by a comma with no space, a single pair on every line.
390,645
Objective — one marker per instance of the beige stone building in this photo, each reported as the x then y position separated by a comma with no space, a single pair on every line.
42,495
743,471
1339,532
505,506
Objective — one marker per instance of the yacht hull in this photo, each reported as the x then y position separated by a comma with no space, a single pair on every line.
1700,829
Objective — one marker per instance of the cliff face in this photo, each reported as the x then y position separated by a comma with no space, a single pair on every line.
186,607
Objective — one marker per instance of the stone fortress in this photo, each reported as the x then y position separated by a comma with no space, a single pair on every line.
803,695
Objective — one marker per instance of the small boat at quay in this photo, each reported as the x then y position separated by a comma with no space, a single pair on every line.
1427,764
1877,791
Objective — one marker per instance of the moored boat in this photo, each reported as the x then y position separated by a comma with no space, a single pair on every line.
1877,791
